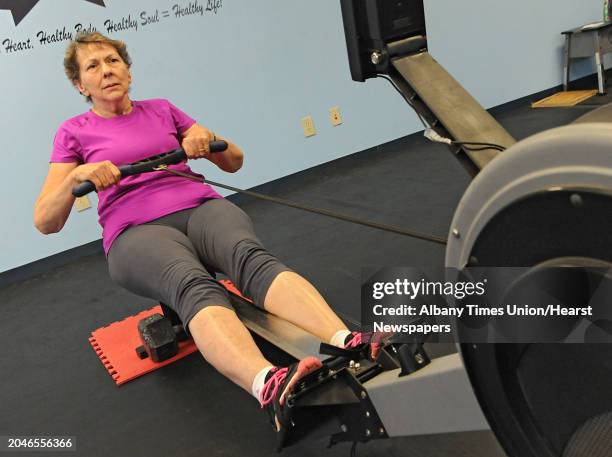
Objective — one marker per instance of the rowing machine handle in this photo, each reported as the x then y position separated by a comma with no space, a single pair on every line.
168,158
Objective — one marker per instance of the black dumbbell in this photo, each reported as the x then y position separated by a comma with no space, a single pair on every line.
159,338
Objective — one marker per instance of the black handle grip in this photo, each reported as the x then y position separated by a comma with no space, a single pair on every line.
169,158
82,189
217,146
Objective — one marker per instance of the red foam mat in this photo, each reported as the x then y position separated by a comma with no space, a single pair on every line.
116,345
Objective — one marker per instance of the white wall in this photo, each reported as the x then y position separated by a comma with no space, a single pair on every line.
250,72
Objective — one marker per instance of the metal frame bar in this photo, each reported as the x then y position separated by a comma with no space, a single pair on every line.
452,106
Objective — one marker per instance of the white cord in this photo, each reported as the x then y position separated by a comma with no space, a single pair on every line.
434,136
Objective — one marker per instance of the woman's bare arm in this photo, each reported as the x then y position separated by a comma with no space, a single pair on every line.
197,137
55,200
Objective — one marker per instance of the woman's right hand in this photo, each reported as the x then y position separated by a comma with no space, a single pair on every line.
101,174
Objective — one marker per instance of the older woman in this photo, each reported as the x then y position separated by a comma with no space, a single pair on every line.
159,229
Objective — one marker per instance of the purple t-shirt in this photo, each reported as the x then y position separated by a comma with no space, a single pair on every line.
152,127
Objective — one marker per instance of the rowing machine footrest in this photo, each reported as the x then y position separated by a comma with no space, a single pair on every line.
411,357
332,402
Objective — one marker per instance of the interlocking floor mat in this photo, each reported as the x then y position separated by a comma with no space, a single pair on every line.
116,346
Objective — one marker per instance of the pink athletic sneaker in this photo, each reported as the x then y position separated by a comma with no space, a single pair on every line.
280,382
357,339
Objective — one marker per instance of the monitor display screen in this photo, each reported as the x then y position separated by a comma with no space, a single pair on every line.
370,25
400,18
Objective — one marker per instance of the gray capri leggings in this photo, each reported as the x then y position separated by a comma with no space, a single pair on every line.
167,259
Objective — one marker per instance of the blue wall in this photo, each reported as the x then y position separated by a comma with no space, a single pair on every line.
503,50
250,72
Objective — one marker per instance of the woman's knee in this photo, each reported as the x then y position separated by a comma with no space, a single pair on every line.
198,316
254,269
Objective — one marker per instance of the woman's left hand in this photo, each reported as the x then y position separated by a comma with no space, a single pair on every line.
196,142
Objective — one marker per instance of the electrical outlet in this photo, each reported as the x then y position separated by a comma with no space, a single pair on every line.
82,203
308,126
334,116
